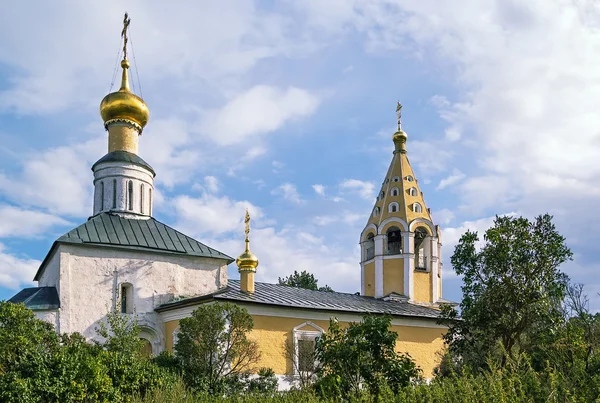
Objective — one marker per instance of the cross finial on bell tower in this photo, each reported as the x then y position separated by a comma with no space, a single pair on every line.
399,113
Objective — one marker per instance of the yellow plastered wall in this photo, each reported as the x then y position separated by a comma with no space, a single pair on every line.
273,333
370,279
423,345
393,276
169,329
422,286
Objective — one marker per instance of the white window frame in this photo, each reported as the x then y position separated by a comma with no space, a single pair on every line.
304,335
410,178
417,208
396,179
375,211
413,191
395,192
393,204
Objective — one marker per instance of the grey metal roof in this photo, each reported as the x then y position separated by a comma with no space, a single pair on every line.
278,295
108,229
124,156
37,298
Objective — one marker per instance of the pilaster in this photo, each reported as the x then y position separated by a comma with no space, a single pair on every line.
409,263
379,248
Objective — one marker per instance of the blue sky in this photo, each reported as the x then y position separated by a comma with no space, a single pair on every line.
288,108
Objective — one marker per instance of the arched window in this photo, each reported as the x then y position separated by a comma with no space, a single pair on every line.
412,191
382,194
114,193
130,195
146,350
393,207
410,178
375,211
305,336
417,208
126,298
101,196
394,241
395,192
420,249
396,179
142,198
370,247
150,201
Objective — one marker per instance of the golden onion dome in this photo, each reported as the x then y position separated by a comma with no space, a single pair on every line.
124,105
247,261
400,136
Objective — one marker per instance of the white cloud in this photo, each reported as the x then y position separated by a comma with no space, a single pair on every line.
57,179
319,189
18,222
277,166
289,193
452,179
211,183
50,79
364,188
210,214
443,216
345,217
16,271
167,145
261,109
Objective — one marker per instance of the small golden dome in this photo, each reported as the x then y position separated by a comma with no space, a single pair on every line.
247,261
124,105
400,136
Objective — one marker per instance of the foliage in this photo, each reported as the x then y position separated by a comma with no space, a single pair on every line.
36,364
303,280
512,292
213,349
361,354
515,382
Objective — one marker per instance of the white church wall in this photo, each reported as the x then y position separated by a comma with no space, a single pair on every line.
91,278
48,316
50,277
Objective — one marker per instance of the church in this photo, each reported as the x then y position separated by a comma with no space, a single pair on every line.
123,259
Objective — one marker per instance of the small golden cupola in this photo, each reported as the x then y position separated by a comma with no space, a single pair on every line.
247,262
124,113
400,245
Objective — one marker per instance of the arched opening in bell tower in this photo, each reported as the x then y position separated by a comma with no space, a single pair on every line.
421,248
370,247
394,241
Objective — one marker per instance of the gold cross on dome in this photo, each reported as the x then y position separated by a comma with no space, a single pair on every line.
399,112
126,22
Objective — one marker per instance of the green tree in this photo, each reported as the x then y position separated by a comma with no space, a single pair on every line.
512,289
303,280
361,354
213,348
130,371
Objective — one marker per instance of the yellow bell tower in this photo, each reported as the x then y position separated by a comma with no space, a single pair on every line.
400,245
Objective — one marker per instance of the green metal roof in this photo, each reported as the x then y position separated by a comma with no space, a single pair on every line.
106,229
124,156
37,298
